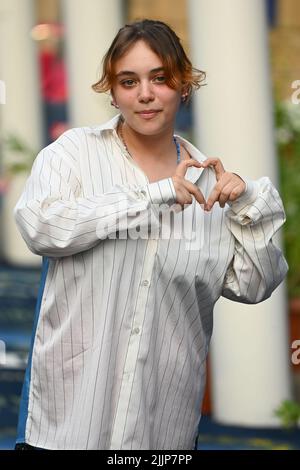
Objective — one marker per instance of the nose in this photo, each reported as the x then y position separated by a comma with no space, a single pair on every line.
146,93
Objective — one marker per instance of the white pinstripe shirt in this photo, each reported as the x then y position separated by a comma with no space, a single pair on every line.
123,324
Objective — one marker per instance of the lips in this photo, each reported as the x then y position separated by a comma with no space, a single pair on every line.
148,113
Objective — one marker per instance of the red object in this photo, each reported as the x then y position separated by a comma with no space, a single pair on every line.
53,78
206,405
294,315
4,185
57,129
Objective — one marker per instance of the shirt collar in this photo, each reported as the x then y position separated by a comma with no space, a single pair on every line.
113,123
193,151
193,173
110,125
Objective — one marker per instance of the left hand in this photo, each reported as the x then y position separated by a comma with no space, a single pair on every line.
229,185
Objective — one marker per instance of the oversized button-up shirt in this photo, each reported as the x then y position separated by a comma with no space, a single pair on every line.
125,309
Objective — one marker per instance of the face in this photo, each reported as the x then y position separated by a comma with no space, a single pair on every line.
147,104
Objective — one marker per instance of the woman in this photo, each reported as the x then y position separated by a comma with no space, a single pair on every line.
125,311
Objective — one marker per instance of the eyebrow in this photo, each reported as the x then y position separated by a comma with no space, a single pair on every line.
129,72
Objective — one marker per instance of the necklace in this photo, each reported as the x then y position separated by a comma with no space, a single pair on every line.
126,148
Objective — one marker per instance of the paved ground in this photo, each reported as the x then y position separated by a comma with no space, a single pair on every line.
18,290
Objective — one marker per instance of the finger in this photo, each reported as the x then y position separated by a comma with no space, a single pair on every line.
225,193
227,190
230,192
183,197
213,197
216,164
195,191
217,190
183,166
237,191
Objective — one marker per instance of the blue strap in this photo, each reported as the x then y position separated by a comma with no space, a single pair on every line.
177,149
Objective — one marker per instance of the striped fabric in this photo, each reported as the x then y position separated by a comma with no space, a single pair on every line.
124,321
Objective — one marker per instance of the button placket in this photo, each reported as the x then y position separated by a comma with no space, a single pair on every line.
134,342
136,330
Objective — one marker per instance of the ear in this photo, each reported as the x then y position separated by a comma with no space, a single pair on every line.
113,101
184,92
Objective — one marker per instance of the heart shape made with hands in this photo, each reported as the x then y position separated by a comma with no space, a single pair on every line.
229,185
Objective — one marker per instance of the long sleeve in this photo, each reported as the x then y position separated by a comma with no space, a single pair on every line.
258,266
56,220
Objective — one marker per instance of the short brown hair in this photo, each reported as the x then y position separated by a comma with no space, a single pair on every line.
164,42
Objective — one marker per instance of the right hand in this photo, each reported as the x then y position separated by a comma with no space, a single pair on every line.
184,188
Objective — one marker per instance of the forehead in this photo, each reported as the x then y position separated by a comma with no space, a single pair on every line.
140,57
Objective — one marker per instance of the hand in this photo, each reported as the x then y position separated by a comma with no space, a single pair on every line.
184,189
229,185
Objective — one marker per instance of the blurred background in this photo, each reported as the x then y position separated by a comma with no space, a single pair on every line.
248,114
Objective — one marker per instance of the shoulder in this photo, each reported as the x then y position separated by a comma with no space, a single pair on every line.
76,138
70,142
63,151
71,137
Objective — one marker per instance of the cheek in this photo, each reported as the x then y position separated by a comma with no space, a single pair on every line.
168,95
125,98
172,100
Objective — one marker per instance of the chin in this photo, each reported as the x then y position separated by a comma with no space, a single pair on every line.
150,127
149,130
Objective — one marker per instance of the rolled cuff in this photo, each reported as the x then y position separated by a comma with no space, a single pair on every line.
247,198
161,192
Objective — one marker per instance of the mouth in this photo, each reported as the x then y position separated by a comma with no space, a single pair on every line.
149,113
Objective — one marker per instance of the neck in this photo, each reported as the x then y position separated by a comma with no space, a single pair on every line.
153,147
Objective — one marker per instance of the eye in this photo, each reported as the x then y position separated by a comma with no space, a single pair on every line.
159,79
128,83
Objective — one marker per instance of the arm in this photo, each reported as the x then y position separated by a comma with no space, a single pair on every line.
56,220
258,266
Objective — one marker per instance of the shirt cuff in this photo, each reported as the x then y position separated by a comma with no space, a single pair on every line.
161,191
247,198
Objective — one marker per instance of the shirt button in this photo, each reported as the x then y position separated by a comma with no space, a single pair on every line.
136,331
145,283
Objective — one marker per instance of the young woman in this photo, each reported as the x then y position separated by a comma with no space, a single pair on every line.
125,310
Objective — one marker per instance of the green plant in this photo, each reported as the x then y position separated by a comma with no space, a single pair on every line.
289,414
288,144
21,155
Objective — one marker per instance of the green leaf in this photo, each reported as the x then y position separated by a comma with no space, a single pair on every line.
26,155
289,413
